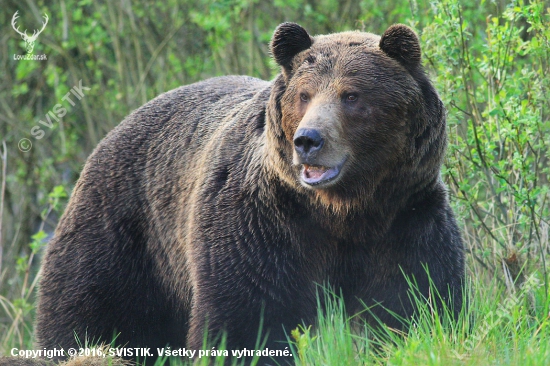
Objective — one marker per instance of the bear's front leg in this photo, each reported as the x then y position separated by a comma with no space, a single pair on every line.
252,318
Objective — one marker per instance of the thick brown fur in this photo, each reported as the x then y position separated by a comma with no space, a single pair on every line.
196,213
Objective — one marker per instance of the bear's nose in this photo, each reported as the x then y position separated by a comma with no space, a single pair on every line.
307,141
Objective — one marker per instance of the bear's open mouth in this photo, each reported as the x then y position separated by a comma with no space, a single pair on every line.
318,174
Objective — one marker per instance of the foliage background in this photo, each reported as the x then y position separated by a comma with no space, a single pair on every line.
490,62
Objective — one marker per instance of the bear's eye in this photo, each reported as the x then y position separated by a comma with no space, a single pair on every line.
304,97
351,97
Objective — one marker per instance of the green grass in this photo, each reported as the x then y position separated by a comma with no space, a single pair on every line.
495,327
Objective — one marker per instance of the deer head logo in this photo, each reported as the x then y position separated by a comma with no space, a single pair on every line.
29,40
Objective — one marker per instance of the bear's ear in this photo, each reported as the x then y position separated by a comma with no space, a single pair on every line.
401,43
288,40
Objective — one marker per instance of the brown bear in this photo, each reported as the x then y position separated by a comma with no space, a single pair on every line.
222,205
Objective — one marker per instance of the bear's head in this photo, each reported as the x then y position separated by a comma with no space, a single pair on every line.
356,114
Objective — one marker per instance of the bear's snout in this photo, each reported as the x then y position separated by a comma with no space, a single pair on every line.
307,143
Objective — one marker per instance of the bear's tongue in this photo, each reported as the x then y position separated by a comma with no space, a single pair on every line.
317,174
314,172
